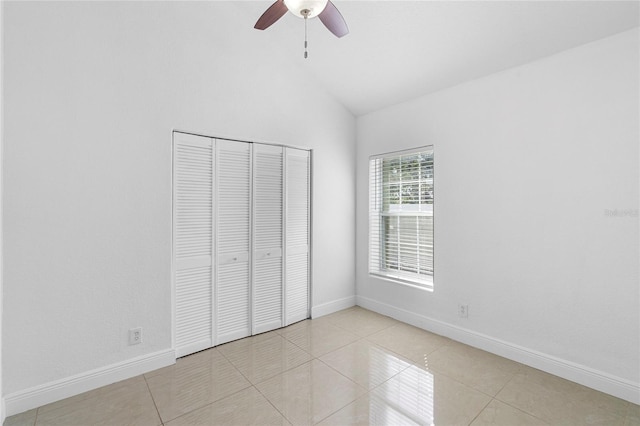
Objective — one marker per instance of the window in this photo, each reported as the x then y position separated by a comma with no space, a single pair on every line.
401,216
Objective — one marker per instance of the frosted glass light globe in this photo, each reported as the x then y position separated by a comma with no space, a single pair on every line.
297,6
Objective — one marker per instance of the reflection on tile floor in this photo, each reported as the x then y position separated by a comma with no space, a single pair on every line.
354,367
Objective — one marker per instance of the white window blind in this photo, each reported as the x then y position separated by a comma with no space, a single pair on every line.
401,216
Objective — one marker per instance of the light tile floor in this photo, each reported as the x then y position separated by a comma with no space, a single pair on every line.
354,367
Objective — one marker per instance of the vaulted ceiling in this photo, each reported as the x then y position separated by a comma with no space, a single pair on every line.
399,50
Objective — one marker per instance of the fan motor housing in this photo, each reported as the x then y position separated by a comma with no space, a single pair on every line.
306,8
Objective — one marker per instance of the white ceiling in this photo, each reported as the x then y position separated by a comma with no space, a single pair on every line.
399,50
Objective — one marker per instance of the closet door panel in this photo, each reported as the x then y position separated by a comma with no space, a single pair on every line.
233,242
267,237
297,215
192,242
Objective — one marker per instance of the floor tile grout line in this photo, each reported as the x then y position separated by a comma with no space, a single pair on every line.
369,391
248,338
35,420
406,358
277,374
366,388
271,377
439,373
316,356
212,402
294,343
254,385
525,412
153,399
272,404
348,378
309,362
513,376
411,363
331,322
572,398
521,410
480,412
282,337
344,406
236,368
207,404
513,406
339,347
351,331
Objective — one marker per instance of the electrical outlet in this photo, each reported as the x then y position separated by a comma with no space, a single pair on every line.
463,311
135,336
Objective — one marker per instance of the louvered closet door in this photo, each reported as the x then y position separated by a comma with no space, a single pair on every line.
297,204
267,237
233,243
192,242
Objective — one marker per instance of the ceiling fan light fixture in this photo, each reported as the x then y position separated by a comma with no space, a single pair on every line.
329,15
315,7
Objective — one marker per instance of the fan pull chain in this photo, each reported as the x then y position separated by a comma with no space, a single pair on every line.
306,54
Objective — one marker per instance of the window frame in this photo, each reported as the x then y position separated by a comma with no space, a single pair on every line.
377,240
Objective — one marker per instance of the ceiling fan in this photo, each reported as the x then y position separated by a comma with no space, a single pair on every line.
323,9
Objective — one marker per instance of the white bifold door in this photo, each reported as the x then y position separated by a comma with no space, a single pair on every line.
297,235
193,198
268,219
241,247
232,311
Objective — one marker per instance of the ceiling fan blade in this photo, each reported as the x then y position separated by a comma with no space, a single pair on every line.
333,20
271,15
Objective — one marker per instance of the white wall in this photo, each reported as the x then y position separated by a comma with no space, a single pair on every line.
527,162
92,92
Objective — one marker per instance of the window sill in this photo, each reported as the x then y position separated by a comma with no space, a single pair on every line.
428,286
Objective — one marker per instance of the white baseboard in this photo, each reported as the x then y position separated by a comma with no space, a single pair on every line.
54,391
604,382
3,413
333,306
